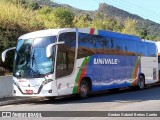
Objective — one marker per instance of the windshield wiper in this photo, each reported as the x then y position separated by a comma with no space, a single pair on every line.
33,58
37,72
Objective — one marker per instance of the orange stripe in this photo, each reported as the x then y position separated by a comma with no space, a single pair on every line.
135,75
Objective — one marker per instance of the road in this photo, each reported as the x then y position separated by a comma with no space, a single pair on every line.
122,100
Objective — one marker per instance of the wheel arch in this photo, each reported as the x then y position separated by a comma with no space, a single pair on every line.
143,75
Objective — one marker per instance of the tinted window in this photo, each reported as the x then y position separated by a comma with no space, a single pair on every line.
66,54
130,47
151,47
118,44
103,45
142,49
93,44
103,42
86,45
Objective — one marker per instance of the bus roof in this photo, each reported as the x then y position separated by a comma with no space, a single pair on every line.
149,41
41,33
51,32
109,34
118,35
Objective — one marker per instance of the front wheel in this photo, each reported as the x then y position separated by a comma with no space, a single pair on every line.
141,82
84,89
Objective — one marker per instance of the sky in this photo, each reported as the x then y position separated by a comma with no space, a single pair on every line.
147,9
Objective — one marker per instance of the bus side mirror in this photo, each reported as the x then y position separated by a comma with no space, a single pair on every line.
49,48
4,53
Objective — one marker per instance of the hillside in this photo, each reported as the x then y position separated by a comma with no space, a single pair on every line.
152,28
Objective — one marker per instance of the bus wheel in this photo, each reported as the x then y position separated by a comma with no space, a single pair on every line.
141,82
84,89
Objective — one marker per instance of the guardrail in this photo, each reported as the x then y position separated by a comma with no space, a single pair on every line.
6,86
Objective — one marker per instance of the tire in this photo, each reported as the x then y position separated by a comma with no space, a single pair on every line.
141,82
84,89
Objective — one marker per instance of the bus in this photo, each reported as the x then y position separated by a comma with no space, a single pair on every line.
78,61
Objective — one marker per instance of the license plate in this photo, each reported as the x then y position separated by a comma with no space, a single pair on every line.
29,91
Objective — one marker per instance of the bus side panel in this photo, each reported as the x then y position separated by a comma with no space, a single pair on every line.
113,71
150,69
70,84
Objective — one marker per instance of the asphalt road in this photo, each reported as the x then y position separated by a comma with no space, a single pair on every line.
122,100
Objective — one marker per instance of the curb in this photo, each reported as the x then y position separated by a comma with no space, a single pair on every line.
20,100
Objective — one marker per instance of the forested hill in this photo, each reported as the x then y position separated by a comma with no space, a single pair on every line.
149,27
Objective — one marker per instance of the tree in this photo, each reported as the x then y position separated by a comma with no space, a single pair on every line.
130,27
34,5
143,33
46,16
63,17
82,21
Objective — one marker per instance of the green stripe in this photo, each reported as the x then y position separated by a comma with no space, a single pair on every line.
75,89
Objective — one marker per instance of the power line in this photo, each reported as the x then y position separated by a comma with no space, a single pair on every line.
140,7
97,1
128,7
143,10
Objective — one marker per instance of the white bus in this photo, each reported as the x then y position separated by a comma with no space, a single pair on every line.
58,62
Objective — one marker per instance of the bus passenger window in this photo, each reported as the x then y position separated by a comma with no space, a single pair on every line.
151,47
66,54
142,49
131,47
86,45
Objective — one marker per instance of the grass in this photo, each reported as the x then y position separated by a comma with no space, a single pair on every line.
12,15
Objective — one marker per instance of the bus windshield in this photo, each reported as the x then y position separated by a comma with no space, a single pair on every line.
30,59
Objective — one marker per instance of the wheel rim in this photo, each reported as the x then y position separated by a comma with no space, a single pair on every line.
84,90
141,83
